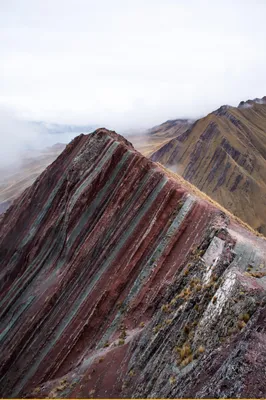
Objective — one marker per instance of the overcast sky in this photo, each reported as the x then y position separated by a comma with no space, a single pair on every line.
129,63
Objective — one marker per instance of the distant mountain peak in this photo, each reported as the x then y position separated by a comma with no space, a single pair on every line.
250,103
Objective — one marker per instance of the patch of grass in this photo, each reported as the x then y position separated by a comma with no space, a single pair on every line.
157,328
184,351
198,287
187,360
168,321
245,317
165,308
123,334
200,349
173,302
258,274
172,380
241,324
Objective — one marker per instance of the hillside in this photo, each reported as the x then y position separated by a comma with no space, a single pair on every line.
118,280
224,155
171,128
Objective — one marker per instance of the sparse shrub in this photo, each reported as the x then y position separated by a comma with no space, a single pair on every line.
165,308
131,372
142,325
259,274
185,351
214,299
100,360
172,380
173,302
123,334
121,342
241,324
168,321
106,344
246,317
201,349
198,287
157,328
187,360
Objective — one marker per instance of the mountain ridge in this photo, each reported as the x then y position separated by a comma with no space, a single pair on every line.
224,155
119,281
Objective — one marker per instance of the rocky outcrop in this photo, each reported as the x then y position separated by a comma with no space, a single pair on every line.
119,280
224,155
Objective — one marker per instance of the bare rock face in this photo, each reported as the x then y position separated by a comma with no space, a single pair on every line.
118,281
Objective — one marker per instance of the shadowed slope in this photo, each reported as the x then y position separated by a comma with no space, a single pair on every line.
109,274
224,155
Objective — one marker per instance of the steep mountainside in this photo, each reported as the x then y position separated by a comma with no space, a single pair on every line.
117,280
171,128
224,155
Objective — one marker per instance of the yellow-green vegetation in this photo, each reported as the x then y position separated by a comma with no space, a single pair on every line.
200,349
165,308
106,344
173,302
187,360
123,333
185,355
142,324
36,390
258,274
172,380
63,384
244,317
131,372
168,321
121,342
241,324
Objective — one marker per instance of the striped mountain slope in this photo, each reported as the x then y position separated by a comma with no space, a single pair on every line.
224,155
118,281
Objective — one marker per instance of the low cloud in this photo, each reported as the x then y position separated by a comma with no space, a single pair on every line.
18,137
